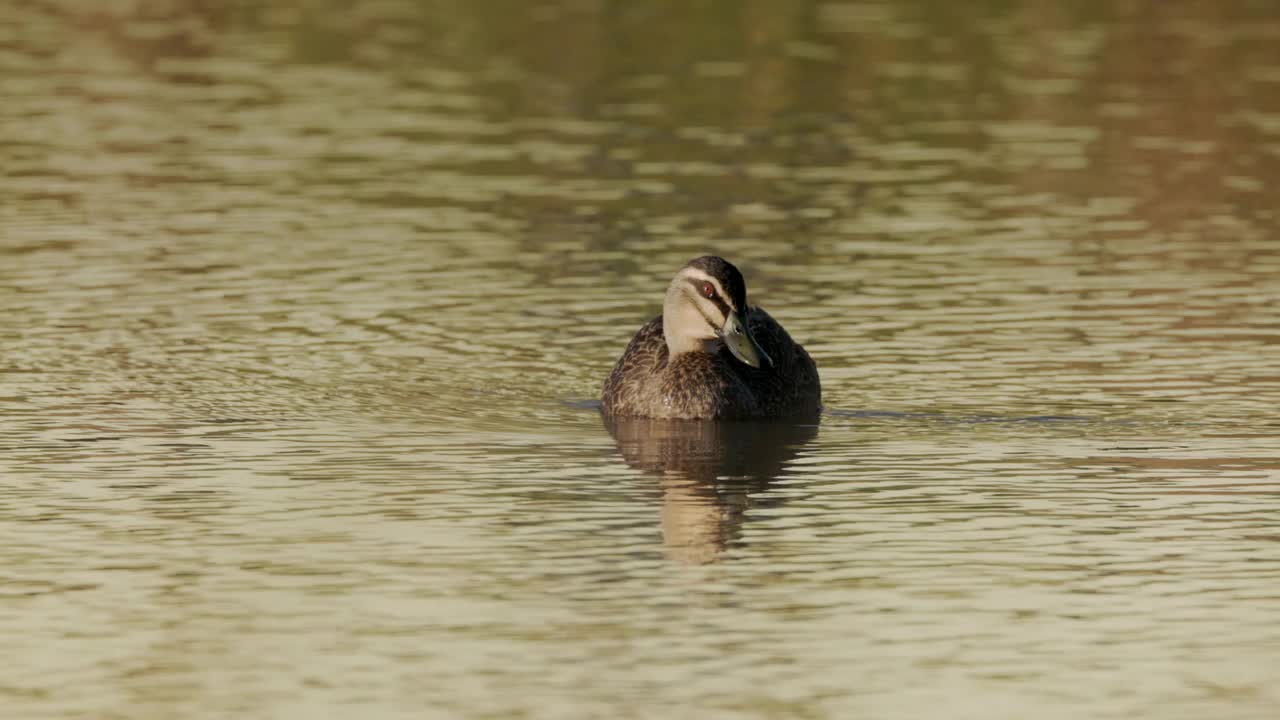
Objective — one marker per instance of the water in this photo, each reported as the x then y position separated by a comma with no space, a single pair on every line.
306,307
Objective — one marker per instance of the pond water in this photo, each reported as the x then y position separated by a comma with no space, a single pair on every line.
307,305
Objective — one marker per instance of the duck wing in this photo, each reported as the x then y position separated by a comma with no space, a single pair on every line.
791,386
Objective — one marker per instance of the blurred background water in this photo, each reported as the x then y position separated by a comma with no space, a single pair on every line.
306,305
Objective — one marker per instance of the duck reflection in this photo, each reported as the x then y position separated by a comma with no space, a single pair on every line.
708,472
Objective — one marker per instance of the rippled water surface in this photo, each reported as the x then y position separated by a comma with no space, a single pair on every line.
307,306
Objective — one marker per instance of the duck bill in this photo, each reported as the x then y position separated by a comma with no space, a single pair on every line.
737,337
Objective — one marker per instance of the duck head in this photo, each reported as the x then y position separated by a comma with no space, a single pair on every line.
706,307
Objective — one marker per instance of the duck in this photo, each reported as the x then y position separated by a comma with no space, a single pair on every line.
712,356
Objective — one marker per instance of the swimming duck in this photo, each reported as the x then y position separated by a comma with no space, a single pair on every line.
710,355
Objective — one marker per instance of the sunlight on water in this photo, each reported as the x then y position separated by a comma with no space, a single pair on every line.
308,305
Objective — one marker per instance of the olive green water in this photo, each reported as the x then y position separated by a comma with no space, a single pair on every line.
305,307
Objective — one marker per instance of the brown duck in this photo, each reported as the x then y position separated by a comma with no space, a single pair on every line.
710,355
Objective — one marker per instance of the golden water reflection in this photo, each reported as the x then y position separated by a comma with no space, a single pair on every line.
708,473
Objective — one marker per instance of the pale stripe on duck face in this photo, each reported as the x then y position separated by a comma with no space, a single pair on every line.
715,306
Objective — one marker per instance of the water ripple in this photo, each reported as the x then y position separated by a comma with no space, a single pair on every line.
307,308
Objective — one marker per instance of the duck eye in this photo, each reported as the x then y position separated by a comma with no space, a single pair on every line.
708,290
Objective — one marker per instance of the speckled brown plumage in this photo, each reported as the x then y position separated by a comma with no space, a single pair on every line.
646,383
